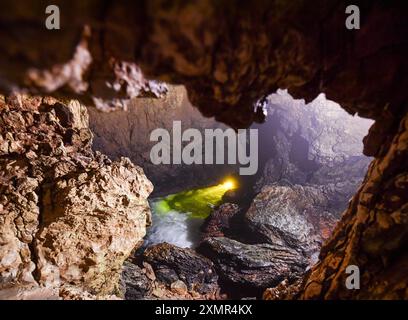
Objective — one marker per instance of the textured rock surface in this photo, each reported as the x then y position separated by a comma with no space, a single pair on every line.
229,59
318,145
254,266
68,215
294,217
372,234
168,280
219,221
91,221
311,164
172,264
135,283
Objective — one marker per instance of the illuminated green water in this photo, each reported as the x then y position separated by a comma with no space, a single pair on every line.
197,203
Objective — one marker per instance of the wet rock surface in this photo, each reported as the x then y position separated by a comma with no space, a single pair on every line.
135,283
68,215
285,228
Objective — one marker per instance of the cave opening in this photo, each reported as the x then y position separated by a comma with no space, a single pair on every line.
310,163
74,215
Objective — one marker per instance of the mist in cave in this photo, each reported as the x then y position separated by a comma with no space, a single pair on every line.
316,145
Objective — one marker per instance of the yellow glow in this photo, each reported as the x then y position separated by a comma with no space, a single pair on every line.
229,184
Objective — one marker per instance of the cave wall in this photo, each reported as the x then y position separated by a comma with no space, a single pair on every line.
228,57
372,234
68,216
127,133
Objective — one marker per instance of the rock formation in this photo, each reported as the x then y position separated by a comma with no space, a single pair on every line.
252,266
68,215
169,272
229,58
136,284
295,217
310,165
219,222
279,237
371,234
317,145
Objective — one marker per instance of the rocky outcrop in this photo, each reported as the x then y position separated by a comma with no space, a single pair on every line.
311,164
252,266
68,215
229,57
316,144
294,217
285,228
91,221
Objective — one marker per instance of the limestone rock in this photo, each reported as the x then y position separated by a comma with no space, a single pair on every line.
91,221
68,215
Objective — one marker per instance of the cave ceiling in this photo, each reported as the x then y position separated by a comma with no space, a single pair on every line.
227,56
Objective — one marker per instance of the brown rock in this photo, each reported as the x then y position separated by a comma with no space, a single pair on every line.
179,287
68,215
219,220
172,264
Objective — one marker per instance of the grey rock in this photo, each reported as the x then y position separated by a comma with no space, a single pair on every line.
135,283
291,216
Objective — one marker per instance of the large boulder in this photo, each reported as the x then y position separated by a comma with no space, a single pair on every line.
67,215
293,216
91,221
253,266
